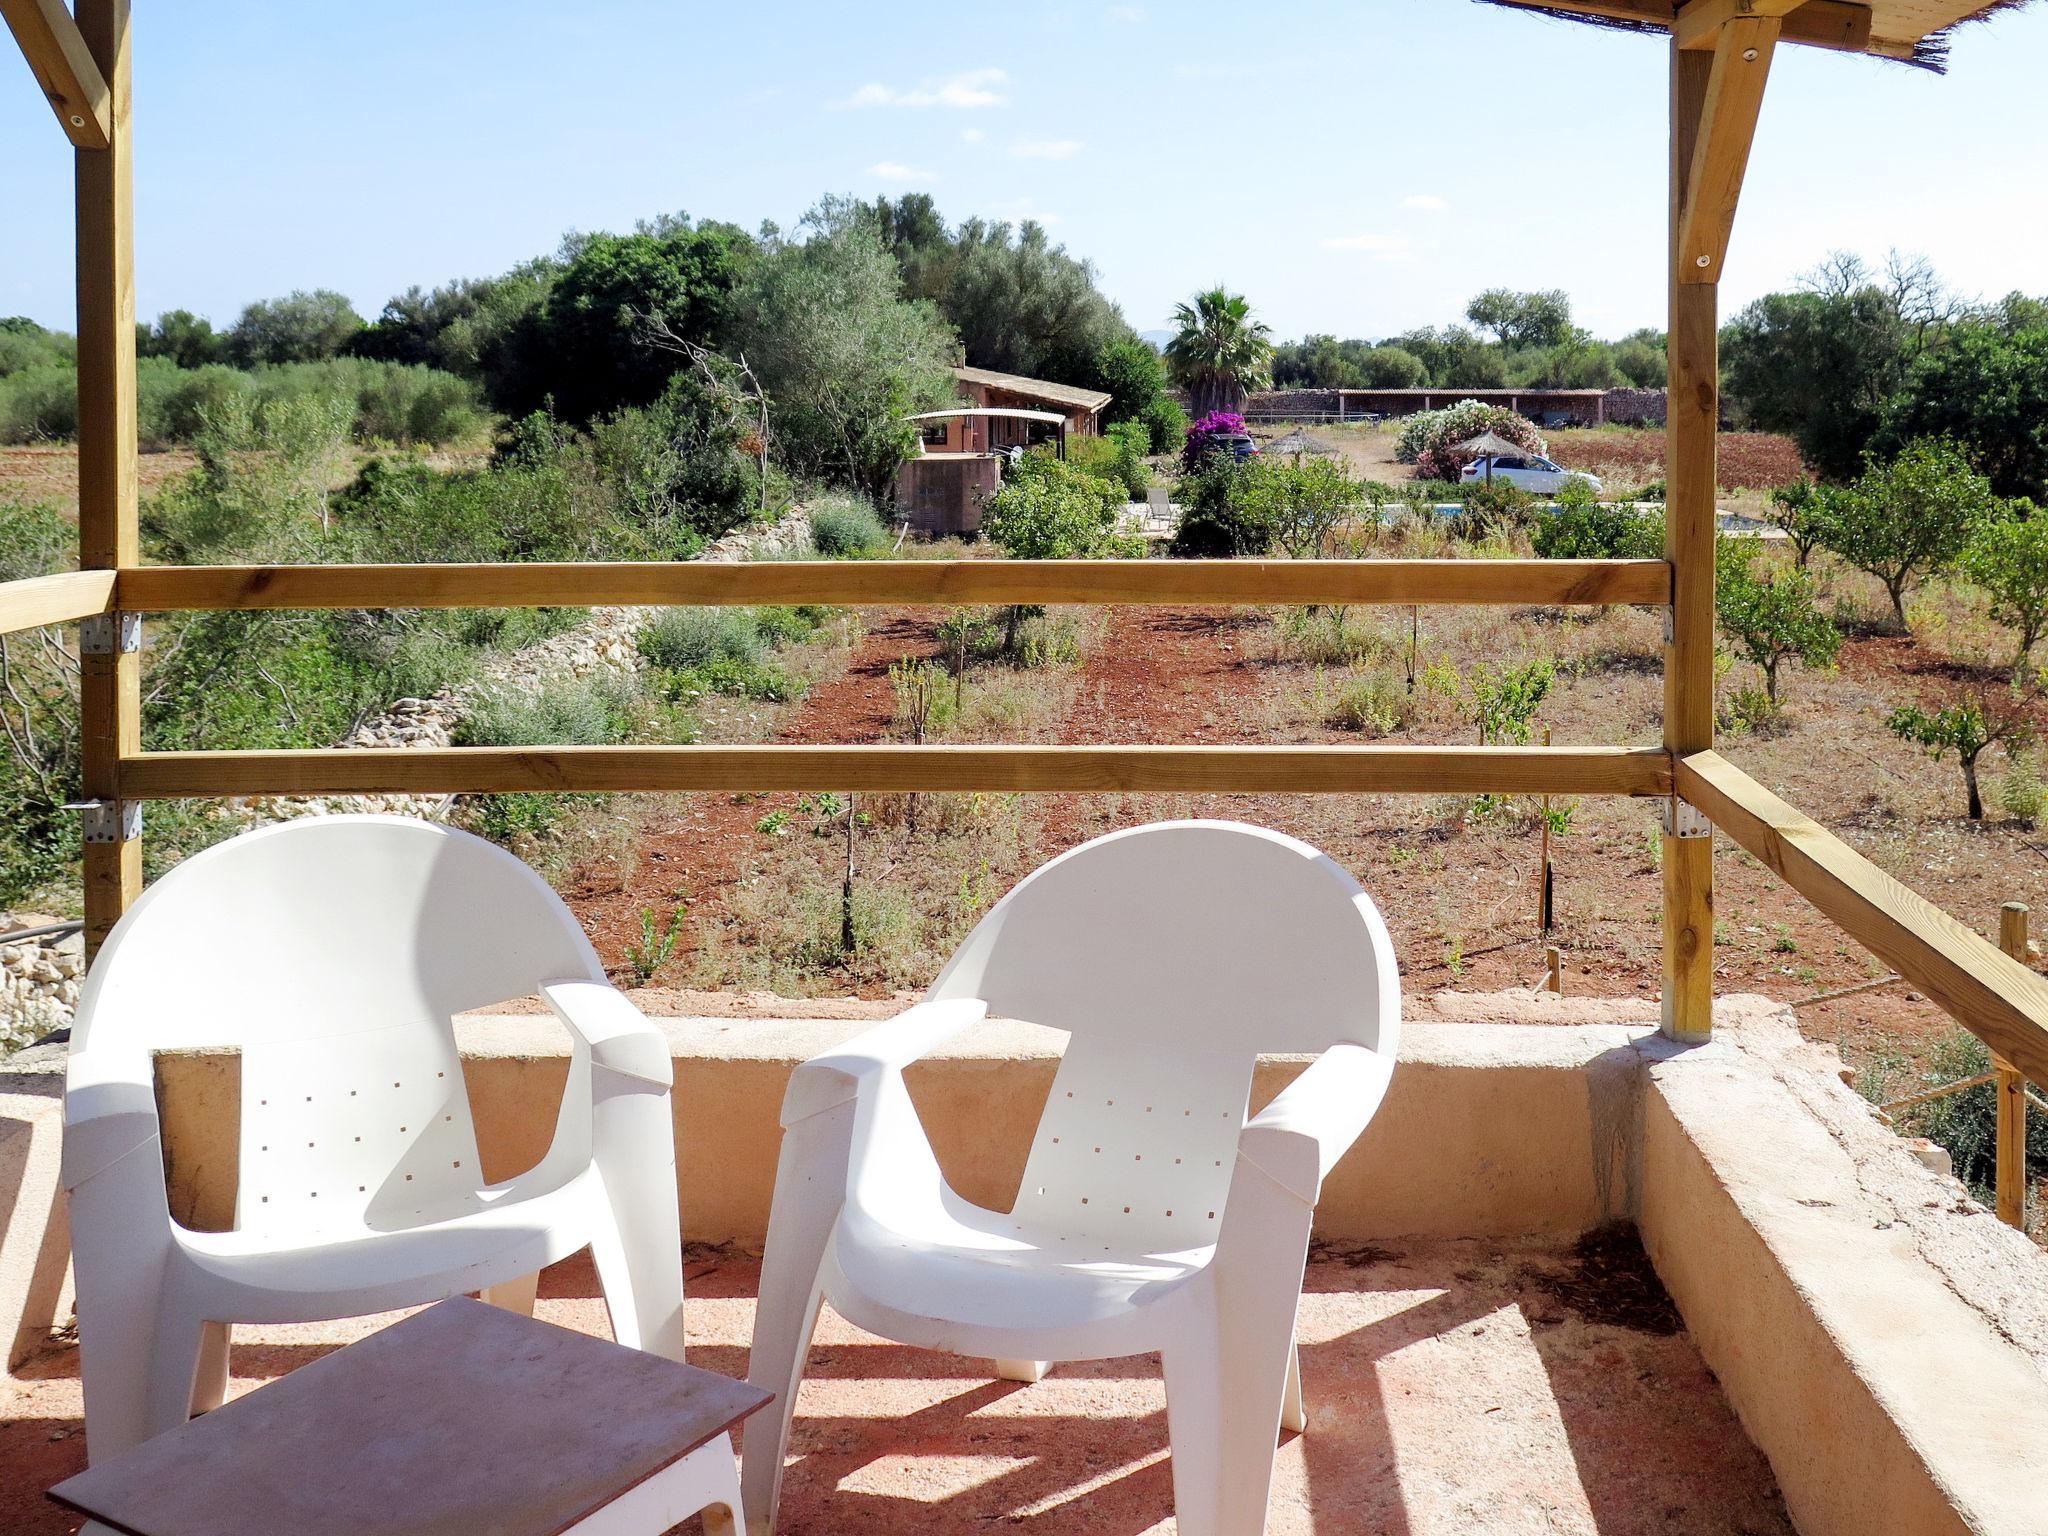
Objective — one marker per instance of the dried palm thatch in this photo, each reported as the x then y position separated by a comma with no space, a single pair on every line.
1930,52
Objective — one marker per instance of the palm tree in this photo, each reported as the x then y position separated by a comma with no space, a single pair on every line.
1221,352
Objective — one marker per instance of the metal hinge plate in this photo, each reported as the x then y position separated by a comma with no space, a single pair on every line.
108,634
108,821
1682,820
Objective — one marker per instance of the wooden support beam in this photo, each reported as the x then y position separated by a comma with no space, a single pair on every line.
153,589
109,686
64,67
1699,22
1202,769
2009,1160
1734,95
1999,1000
61,599
1692,420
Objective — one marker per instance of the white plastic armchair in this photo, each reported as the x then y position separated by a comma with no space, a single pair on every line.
332,954
1152,1215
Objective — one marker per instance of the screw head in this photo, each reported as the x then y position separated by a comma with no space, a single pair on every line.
77,121
1749,55
1703,261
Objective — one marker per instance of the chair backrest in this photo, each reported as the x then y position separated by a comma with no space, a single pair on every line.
1173,955
332,953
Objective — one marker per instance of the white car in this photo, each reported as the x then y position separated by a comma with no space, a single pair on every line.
1530,472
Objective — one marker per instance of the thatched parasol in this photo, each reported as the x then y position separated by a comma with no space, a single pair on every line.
1299,442
1488,446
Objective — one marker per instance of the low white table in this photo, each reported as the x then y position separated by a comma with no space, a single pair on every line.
462,1420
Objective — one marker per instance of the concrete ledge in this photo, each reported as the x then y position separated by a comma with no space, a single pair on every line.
1489,1130
35,1244
1884,1400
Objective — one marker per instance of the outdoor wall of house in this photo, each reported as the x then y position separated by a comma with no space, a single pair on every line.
943,493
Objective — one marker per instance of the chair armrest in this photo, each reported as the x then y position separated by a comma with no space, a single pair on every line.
618,1036
863,1062
1298,1138
109,1110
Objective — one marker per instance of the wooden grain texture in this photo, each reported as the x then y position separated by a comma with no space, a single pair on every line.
153,589
1699,22
1692,419
64,67
2009,1158
1741,67
1996,998
460,1420
109,686
1224,770
61,599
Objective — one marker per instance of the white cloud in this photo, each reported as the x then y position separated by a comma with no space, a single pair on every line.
971,135
896,172
1126,13
1384,247
1427,202
1046,149
969,88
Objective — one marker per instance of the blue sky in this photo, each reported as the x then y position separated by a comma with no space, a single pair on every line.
1355,166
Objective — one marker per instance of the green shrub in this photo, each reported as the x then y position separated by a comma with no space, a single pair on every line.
589,711
1966,1123
39,404
1371,703
1166,422
1583,527
679,639
846,528
1220,517
1770,615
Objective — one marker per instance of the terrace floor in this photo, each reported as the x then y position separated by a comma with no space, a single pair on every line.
1454,1389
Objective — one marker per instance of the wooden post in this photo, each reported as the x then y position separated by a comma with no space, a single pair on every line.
1553,965
2011,1164
1691,420
109,691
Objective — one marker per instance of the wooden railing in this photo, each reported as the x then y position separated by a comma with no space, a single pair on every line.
1996,997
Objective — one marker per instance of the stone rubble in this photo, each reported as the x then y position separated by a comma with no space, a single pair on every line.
39,980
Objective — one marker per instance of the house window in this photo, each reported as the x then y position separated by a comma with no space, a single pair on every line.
934,435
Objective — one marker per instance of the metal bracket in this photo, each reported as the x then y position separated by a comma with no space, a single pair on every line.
109,634
108,821
1670,625
1681,820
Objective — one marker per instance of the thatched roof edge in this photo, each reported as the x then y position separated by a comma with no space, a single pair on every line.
1930,53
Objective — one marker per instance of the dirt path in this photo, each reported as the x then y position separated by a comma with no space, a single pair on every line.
698,846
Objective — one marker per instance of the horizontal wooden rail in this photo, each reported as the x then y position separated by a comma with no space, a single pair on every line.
1999,1000
1232,770
160,588
60,599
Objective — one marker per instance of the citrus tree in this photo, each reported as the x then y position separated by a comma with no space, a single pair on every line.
1907,518
1770,615
2008,558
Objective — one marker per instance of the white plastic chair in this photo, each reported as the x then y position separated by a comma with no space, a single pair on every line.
1151,1216
332,953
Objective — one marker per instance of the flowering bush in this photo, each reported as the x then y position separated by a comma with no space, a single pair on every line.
1203,435
1427,436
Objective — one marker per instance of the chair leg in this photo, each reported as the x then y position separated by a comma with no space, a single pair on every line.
210,1380
641,1273
637,1237
514,1295
174,1359
1022,1370
810,1186
1223,1418
1293,1410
